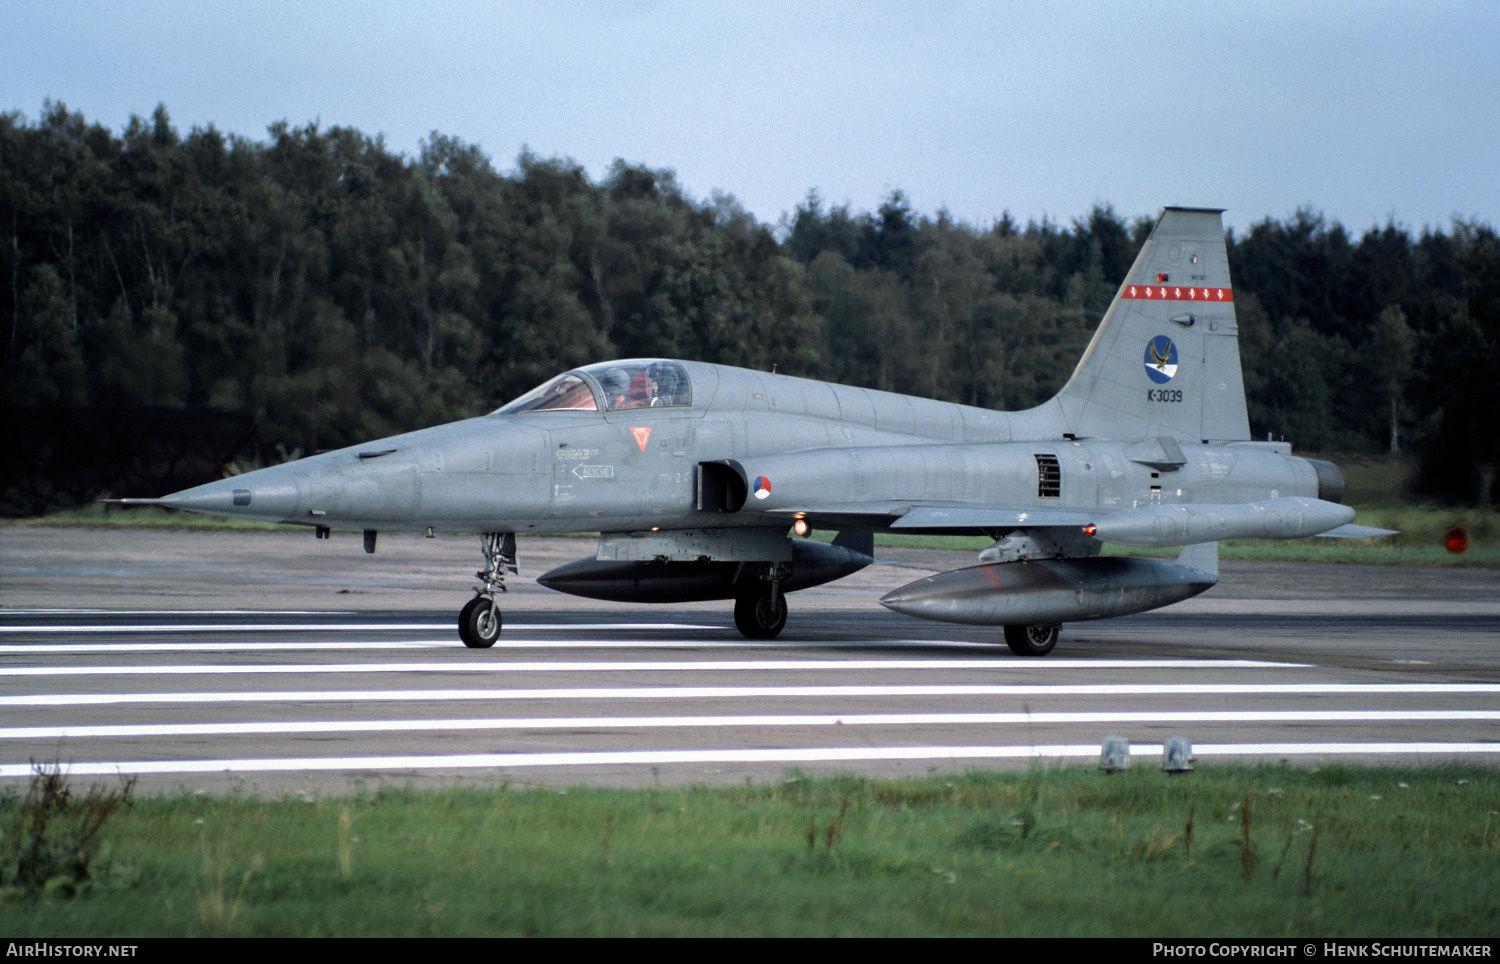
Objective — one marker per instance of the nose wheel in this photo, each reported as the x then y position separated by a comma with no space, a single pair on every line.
480,621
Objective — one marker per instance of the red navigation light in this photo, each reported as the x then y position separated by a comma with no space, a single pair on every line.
1090,529
1456,540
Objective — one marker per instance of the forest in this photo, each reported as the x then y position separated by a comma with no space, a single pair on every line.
181,305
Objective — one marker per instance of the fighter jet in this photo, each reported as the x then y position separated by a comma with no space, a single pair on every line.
693,474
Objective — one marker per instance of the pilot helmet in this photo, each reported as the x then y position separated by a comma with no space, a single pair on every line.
664,379
615,382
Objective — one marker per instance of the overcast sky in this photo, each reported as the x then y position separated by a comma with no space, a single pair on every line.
1367,111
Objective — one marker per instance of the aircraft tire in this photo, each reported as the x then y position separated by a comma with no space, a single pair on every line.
1033,640
758,617
479,623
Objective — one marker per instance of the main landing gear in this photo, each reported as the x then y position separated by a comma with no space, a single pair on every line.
1033,640
760,608
479,622
761,614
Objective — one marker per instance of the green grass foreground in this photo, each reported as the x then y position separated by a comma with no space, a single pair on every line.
1229,850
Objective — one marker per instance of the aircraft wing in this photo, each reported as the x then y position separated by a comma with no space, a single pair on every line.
931,517
987,517
1146,526
852,515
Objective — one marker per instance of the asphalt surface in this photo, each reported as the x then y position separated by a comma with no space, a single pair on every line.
274,663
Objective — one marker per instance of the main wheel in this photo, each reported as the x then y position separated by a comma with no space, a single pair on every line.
758,617
1034,640
479,623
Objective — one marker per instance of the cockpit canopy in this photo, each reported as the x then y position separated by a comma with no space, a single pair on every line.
609,387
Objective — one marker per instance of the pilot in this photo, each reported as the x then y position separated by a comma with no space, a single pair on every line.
615,383
664,385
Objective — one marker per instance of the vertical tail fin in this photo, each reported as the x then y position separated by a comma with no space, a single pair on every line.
1165,361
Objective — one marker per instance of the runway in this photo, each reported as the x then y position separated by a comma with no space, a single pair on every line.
315,695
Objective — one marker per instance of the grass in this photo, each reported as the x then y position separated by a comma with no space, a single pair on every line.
1226,851
51,842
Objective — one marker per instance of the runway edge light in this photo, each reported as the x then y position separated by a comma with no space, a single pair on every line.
1177,755
1115,754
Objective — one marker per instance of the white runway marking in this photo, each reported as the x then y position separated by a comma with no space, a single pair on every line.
990,707
649,666
234,646
157,613
776,755
224,646
1002,656
226,627
1034,690
692,722
222,628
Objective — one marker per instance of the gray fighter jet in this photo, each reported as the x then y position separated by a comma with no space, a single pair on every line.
693,474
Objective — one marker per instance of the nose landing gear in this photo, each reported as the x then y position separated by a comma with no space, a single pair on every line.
479,622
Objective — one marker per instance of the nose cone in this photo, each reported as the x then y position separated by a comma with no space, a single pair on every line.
479,475
268,495
909,603
950,596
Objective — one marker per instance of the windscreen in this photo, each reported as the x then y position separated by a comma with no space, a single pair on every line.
637,383
642,383
565,393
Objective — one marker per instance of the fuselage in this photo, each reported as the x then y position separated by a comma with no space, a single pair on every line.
557,471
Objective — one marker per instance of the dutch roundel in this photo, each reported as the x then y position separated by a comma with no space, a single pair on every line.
762,487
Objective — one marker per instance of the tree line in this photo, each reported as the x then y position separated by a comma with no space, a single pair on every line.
174,302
